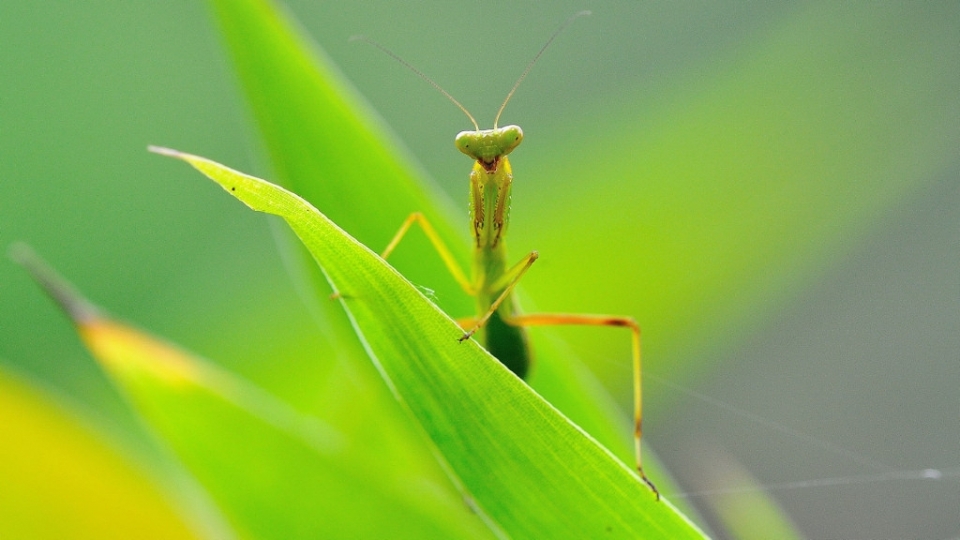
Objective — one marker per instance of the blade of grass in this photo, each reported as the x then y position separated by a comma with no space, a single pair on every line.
529,470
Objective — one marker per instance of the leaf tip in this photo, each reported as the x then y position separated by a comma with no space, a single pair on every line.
78,308
163,151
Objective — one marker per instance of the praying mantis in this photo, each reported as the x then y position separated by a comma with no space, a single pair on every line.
499,324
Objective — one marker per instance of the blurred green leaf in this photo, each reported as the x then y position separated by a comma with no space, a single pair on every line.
326,145
58,479
523,465
274,472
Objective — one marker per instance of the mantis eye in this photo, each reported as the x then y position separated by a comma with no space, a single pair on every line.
510,138
468,142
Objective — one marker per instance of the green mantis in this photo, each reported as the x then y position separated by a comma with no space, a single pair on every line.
499,324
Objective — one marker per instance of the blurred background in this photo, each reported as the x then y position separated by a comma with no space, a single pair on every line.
771,188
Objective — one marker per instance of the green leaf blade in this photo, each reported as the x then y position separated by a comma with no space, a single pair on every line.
528,468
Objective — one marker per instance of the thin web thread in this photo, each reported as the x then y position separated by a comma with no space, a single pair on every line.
889,473
770,424
922,474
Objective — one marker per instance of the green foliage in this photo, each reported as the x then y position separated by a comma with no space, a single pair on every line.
715,183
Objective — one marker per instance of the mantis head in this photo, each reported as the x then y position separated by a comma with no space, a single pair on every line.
487,146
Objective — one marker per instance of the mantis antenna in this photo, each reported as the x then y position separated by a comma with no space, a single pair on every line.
391,54
534,61
523,76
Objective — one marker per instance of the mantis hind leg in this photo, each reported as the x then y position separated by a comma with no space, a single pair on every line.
557,319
